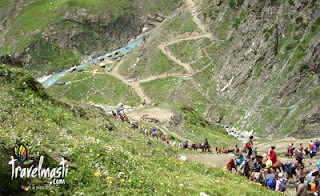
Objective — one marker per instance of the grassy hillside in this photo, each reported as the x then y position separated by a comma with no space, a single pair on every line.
173,89
38,16
55,34
95,88
197,128
159,64
149,60
194,52
110,158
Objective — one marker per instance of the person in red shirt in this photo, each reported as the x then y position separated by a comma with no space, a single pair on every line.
273,155
290,150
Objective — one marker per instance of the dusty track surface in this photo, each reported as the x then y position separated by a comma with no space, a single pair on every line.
193,9
163,115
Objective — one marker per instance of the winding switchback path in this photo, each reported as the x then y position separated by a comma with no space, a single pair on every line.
163,47
193,9
188,67
136,84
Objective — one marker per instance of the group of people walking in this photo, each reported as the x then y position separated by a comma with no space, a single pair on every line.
269,171
266,169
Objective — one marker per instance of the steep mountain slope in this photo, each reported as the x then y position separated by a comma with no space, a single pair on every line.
96,88
271,62
55,34
251,64
159,71
260,70
107,157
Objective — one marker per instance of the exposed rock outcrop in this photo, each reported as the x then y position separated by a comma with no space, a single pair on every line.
311,123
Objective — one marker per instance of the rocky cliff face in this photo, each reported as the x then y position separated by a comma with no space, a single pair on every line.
270,64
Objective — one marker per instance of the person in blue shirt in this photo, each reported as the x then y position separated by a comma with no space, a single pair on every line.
205,143
185,144
240,159
313,175
270,180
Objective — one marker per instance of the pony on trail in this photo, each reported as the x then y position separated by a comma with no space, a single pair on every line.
223,150
162,136
231,164
278,166
262,161
155,135
218,150
231,149
202,147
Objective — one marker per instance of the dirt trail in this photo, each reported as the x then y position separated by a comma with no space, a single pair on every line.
206,35
166,131
214,159
193,9
220,160
188,67
281,147
164,115
179,62
135,85
5,24
148,79
176,136
74,81
163,47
